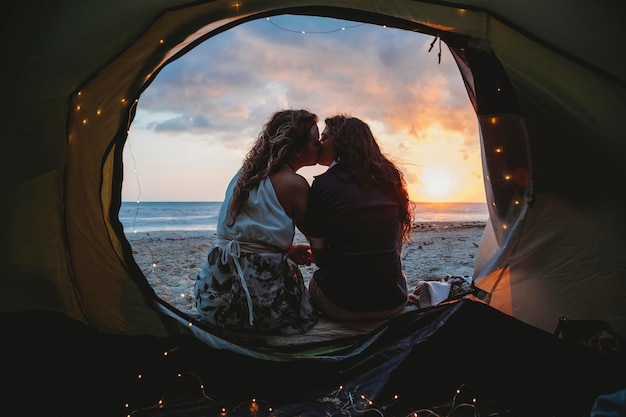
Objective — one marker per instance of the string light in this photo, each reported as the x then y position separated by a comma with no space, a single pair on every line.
138,200
344,408
340,403
342,28
98,112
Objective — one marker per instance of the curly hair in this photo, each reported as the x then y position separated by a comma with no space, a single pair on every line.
286,132
357,149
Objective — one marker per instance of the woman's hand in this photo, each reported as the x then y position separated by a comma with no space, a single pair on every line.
301,254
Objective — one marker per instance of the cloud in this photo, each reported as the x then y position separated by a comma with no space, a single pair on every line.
222,92
180,123
240,76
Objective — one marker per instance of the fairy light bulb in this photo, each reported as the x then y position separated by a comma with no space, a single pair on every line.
254,407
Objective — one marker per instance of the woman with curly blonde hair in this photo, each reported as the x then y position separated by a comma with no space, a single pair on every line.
250,279
358,217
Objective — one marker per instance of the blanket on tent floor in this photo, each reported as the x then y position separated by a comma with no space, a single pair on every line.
328,339
52,366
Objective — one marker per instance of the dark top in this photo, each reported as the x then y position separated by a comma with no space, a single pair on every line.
360,268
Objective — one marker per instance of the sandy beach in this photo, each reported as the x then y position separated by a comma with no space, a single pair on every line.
170,260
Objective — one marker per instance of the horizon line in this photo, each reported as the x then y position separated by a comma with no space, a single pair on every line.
216,201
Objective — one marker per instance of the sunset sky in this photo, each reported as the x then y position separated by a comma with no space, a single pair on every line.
196,121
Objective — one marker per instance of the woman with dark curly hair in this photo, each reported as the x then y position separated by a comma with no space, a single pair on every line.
358,217
250,279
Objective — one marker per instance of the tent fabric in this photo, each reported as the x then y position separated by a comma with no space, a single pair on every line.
547,81
422,359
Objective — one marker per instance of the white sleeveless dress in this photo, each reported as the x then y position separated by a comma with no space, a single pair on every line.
247,281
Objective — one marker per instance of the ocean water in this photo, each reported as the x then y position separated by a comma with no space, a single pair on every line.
202,216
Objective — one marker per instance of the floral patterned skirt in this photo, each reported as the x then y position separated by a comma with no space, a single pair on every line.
279,301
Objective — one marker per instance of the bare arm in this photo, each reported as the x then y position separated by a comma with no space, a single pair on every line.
292,191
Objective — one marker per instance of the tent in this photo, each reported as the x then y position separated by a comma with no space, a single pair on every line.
547,81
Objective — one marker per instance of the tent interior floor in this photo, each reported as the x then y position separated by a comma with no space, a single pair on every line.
54,366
